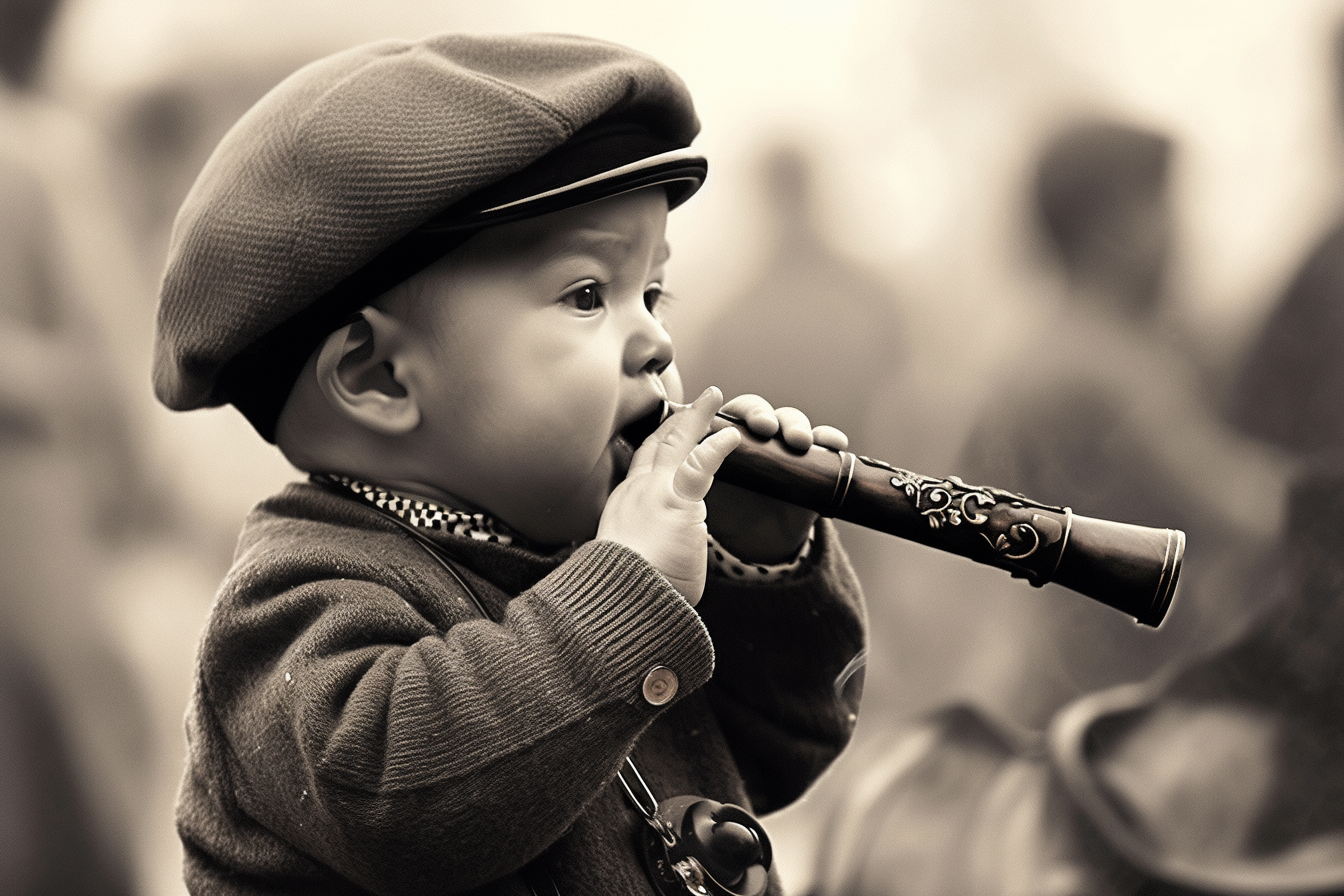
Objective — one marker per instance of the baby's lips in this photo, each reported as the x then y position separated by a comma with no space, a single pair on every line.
641,428
622,453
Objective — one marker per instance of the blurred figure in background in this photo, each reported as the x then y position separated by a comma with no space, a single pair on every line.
1107,414
1289,388
813,330
72,754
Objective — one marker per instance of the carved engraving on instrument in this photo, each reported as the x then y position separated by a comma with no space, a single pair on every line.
944,501
1007,521
1023,531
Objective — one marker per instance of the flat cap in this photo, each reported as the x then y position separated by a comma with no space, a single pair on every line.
348,158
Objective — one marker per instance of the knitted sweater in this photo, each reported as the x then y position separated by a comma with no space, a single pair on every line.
357,727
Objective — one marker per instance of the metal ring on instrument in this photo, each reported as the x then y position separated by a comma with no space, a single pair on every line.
843,477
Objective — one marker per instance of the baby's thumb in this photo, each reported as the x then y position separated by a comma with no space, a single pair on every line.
696,474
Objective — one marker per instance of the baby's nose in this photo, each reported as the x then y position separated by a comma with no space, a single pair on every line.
649,349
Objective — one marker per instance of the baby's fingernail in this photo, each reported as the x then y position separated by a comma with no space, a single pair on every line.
709,390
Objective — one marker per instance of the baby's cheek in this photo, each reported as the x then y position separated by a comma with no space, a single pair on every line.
560,449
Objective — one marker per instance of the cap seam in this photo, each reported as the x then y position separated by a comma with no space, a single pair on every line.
563,122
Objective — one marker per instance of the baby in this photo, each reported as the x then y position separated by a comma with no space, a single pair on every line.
488,644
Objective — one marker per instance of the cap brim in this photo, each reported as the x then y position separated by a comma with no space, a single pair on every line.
681,171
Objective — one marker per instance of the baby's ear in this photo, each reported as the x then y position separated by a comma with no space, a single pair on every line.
357,372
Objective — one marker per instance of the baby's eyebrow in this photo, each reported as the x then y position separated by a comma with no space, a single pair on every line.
585,238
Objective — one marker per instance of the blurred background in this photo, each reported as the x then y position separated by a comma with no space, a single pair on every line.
1048,245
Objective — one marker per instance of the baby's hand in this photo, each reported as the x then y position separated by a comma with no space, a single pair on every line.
659,510
753,527
798,432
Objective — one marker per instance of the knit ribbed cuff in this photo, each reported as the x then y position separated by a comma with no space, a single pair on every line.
620,618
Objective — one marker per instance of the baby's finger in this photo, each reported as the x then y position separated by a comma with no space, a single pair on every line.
673,440
756,412
696,474
795,428
830,437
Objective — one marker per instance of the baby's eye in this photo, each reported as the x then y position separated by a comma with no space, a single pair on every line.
653,295
587,297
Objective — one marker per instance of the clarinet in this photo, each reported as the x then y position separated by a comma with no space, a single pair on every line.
1130,568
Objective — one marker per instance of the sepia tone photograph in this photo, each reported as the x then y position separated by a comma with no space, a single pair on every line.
796,448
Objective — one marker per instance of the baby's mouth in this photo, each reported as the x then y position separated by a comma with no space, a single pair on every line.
630,437
639,429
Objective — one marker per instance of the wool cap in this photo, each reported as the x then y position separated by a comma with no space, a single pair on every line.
364,167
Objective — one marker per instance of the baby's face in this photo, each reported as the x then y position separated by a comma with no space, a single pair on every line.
546,342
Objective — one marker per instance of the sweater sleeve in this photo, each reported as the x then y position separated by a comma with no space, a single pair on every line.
789,670
418,756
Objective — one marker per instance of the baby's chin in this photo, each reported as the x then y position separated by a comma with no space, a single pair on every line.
574,517
552,530
587,507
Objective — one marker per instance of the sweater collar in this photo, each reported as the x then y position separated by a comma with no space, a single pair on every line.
423,514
